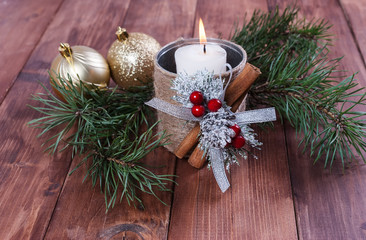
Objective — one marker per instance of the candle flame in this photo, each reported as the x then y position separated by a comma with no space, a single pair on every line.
203,39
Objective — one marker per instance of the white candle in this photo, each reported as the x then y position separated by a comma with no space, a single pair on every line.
192,58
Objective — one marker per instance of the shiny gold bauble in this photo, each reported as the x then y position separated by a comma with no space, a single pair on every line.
80,63
131,58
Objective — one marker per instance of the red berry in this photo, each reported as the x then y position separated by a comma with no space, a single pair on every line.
236,129
198,110
238,141
196,98
214,105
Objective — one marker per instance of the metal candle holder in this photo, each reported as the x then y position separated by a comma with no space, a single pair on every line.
165,72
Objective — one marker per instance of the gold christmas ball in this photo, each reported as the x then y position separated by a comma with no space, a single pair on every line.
131,58
80,63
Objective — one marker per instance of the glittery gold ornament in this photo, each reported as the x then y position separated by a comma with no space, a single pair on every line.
131,58
81,63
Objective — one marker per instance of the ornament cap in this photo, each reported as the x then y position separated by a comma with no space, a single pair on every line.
122,34
65,50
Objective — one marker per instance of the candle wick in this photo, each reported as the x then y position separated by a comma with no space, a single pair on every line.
204,48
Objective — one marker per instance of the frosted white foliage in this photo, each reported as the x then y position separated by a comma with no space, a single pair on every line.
231,154
215,129
202,81
250,136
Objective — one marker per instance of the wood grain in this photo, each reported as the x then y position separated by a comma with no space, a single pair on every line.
185,146
38,200
166,21
354,12
200,210
30,179
259,203
329,205
21,26
262,202
80,212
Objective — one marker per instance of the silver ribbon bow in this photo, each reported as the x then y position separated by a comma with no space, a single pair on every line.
216,156
241,118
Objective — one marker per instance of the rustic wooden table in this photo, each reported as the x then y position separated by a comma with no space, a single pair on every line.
282,195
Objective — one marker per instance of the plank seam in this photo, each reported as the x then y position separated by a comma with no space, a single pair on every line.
58,198
194,19
232,205
292,186
352,32
176,159
12,84
71,161
30,54
63,183
271,7
197,201
175,164
198,186
172,197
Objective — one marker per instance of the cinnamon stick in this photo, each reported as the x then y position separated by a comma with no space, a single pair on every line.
197,159
236,90
188,142
241,84
237,103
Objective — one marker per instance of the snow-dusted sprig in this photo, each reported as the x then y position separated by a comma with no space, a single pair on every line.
231,156
250,136
215,129
202,81
230,153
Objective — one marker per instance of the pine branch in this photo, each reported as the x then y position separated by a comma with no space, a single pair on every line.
304,85
265,34
117,165
104,125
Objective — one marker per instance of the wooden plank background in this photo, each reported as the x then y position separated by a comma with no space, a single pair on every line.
282,195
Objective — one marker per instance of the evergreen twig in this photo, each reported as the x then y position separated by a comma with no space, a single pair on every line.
304,84
104,125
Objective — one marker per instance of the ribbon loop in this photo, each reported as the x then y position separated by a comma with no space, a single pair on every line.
256,116
222,96
218,168
171,109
